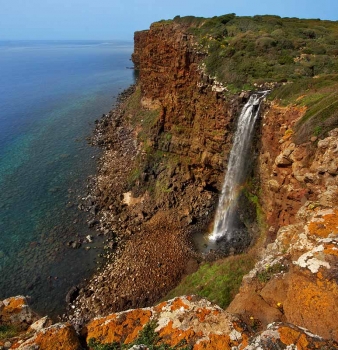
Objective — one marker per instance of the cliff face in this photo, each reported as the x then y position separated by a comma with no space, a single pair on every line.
166,147
193,109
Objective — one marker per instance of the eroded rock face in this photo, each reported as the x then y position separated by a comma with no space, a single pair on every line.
195,113
160,175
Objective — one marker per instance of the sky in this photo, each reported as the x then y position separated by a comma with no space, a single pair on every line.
119,19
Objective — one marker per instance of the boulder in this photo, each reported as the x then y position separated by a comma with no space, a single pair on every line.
16,312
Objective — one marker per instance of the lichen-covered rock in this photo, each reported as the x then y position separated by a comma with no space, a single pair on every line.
40,324
16,312
60,336
287,336
200,323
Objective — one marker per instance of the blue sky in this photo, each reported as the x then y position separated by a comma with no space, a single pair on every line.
118,19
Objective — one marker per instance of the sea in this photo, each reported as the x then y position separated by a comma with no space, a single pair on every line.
51,93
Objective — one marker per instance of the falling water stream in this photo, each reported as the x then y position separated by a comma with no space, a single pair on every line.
237,169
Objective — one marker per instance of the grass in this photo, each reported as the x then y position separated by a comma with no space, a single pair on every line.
7,331
219,281
147,336
320,97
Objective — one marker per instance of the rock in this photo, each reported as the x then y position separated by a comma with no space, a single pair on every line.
283,161
89,238
60,336
274,185
92,223
323,144
40,324
288,336
190,318
15,311
72,294
76,245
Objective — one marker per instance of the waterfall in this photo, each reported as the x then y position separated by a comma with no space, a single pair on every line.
237,166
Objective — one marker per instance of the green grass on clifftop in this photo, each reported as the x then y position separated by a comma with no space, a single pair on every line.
320,97
258,49
219,281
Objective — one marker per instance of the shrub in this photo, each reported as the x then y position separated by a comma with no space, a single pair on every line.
277,42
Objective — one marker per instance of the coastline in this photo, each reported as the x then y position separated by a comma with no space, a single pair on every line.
146,253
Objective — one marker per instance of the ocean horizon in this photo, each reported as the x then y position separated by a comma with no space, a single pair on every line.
51,93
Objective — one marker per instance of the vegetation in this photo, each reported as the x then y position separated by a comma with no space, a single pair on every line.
265,275
147,336
7,331
219,282
320,97
299,54
248,50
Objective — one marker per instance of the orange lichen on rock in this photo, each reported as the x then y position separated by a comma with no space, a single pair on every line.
177,304
215,342
193,320
122,327
287,336
331,249
309,301
173,336
159,307
15,311
57,337
325,225
14,305
202,313
10,307
291,336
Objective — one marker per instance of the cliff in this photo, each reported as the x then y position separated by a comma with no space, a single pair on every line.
166,148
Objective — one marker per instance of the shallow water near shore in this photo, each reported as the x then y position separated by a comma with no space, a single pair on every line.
50,95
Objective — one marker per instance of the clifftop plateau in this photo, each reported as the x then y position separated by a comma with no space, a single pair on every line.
166,147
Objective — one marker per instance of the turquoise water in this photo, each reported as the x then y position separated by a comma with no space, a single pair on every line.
50,95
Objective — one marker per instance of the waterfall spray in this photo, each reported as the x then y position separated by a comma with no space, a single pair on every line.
236,170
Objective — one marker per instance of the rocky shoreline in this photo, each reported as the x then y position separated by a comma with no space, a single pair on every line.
149,242
147,253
